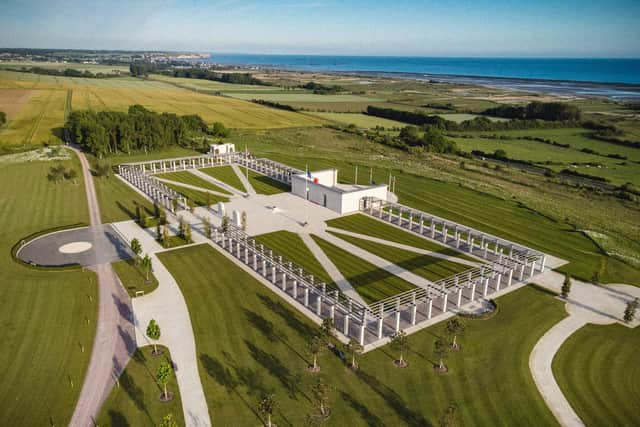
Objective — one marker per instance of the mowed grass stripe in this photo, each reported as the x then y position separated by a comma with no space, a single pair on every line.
198,197
187,177
291,246
225,174
266,185
426,266
249,342
597,370
362,224
118,201
371,282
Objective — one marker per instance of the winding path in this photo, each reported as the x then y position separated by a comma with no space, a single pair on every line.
587,303
114,342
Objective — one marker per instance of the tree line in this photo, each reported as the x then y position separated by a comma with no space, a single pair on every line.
549,111
202,74
138,129
68,72
3,118
321,89
479,123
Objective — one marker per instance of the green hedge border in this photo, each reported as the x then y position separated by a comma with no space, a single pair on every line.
27,239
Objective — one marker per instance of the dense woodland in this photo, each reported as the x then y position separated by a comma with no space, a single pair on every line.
320,89
199,73
138,129
550,111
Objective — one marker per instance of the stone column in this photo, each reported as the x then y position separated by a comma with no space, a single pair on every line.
522,266
319,305
498,280
273,273
510,277
429,307
295,289
459,302
444,306
397,328
473,291
485,288
433,229
346,324
471,246
306,296
362,326
543,262
332,311
284,281
414,313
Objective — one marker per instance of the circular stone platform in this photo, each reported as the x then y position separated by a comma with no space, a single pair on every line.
84,246
75,247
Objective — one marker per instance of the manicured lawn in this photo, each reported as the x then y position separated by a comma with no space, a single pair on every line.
118,201
187,177
597,369
251,342
199,197
291,246
133,278
48,318
363,224
226,175
265,185
371,282
429,267
136,399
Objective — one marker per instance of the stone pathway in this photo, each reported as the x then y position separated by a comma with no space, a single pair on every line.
114,342
406,247
167,306
587,303
331,269
243,178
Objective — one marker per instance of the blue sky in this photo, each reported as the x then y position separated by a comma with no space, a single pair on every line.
598,28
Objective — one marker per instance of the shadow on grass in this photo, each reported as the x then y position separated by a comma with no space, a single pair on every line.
126,210
118,419
267,328
265,180
282,373
393,399
290,317
370,418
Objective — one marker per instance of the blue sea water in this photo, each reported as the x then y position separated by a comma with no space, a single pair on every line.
564,69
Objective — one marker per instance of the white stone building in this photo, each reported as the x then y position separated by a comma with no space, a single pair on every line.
226,148
322,188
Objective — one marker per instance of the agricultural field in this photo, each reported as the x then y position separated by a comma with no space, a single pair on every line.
461,117
359,120
48,317
534,213
94,68
597,370
295,97
227,175
425,266
135,402
251,342
372,283
189,178
213,86
291,247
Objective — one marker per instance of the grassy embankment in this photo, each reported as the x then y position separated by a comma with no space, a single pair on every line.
48,317
133,278
135,401
251,342
597,370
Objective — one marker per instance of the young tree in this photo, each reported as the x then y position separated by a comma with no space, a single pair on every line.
181,227
455,327
207,227
168,421
630,310
158,232
441,351
146,266
243,221
165,236
225,223
136,247
187,233
566,286
354,349
191,204
321,394
153,332
267,406
450,417
139,214
316,346
163,376
174,204
327,330
162,216
156,210
207,199
400,343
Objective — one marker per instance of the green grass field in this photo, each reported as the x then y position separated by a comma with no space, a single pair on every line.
429,267
359,120
198,197
251,342
213,86
226,175
187,177
118,201
598,372
135,401
48,317
461,117
362,224
265,185
291,246
295,96
133,278
371,282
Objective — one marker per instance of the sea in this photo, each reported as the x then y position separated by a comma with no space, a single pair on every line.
612,78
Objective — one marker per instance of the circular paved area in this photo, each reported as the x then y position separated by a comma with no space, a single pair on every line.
86,246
